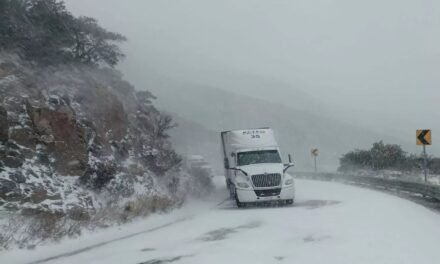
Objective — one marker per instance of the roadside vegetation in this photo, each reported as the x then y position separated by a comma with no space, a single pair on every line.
383,156
44,31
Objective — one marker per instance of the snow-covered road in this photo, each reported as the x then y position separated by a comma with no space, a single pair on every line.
329,223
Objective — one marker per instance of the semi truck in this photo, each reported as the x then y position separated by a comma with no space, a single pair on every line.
254,170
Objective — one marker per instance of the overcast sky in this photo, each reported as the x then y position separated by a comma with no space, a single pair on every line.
380,56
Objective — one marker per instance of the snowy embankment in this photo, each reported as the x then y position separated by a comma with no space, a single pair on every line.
419,177
330,222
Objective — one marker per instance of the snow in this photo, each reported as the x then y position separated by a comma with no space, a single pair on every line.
330,223
399,175
196,158
8,79
64,186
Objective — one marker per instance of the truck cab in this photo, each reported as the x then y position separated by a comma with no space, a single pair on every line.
254,169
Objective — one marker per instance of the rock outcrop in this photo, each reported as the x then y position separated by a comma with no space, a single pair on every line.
63,136
75,137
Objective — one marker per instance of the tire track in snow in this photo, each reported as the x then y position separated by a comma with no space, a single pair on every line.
88,248
101,244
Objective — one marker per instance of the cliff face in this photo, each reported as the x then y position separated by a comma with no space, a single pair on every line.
76,137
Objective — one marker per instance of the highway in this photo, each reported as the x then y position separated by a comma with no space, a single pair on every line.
329,223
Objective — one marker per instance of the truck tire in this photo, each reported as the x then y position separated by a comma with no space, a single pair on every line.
231,190
239,204
237,201
289,202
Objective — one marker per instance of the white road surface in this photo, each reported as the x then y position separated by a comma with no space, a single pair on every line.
329,223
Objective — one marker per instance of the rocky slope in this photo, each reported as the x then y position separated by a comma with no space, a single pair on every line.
77,138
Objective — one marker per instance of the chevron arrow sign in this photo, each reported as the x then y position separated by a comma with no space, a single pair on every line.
423,137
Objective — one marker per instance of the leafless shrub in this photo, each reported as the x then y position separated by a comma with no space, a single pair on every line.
29,231
147,205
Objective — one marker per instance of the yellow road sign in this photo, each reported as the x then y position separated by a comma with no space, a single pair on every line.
315,152
423,137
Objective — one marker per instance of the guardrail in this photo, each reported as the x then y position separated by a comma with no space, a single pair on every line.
426,190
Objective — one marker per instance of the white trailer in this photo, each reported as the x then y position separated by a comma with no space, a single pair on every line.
253,167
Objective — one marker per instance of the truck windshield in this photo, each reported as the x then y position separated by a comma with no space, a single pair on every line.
261,156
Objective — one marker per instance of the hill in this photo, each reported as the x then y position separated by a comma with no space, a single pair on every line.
215,110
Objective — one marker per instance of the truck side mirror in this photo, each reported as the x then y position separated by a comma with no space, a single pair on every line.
290,164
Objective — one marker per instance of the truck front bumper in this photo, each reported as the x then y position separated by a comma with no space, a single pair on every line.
249,195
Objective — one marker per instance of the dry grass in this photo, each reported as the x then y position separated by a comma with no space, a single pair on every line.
29,231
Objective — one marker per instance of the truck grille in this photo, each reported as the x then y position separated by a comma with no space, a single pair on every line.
266,193
266,180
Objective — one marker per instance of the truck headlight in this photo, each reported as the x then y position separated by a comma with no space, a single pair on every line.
242,185
288,182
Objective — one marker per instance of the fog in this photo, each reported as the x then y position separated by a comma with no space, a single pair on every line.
372,64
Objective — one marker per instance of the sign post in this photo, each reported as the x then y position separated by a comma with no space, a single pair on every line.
425,163
315,153
424,138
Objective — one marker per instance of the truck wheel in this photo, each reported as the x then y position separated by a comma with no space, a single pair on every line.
237,201
231,189
289,201
239,204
